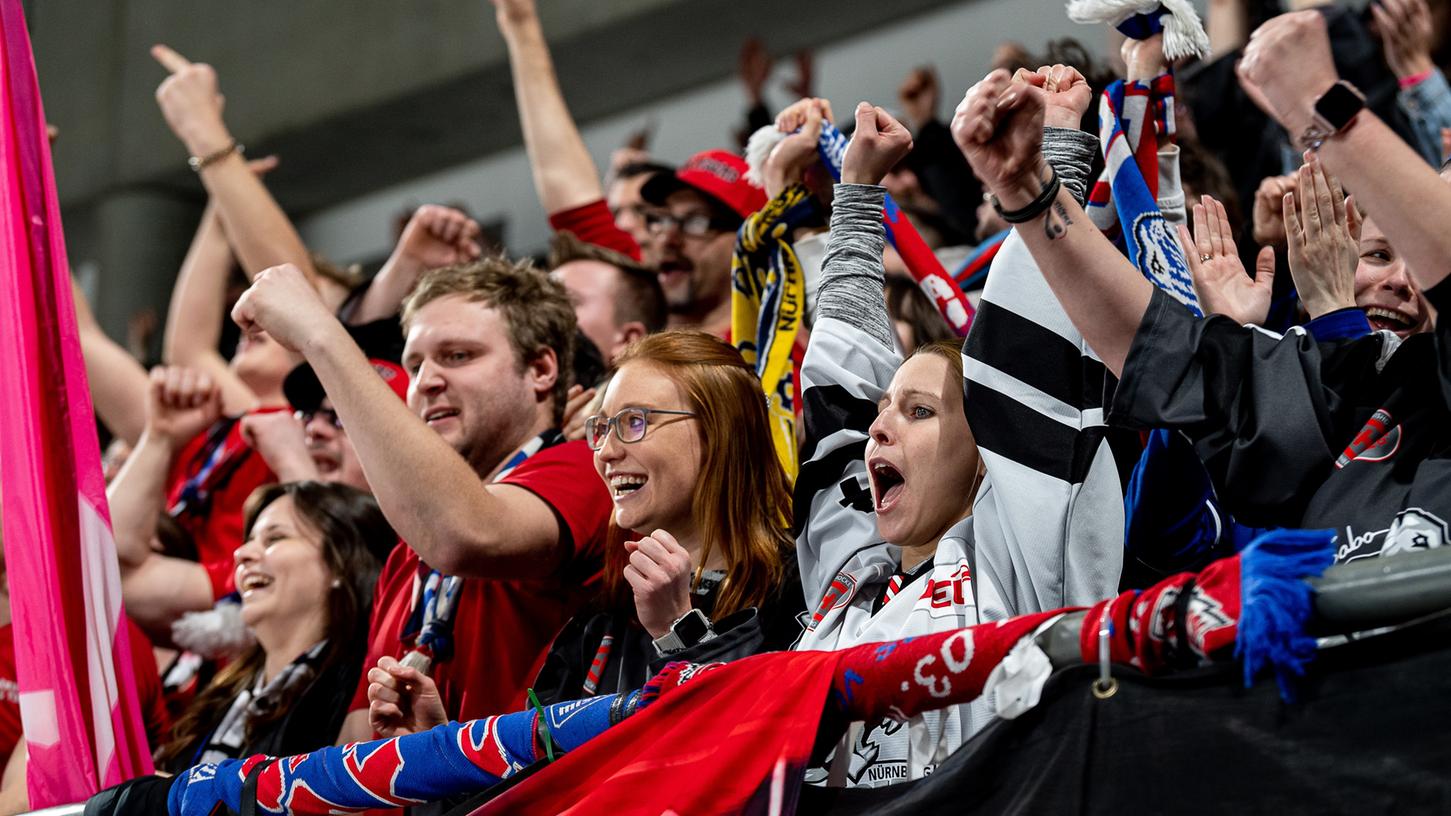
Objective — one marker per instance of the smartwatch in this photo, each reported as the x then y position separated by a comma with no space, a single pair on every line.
689,629
1335,110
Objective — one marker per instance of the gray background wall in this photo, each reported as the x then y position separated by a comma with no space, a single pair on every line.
375,106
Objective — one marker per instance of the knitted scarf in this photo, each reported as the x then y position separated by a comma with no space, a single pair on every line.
768,299
1124,202
737,737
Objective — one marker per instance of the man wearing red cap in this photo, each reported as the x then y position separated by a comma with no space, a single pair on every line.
694,212
701,206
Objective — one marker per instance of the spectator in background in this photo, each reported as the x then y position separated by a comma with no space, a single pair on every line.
915,319
314,427
623,197
617,299
565,176
701,206
476,478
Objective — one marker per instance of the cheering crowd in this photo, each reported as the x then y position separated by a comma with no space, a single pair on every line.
869,403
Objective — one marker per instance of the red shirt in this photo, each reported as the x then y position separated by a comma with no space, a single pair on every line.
502,629
148,691
217,528
593,223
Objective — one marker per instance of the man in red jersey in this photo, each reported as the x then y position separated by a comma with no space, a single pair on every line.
504,521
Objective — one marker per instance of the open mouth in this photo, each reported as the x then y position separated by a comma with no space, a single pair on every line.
1382,319
433,415
888,482
252,582
622,485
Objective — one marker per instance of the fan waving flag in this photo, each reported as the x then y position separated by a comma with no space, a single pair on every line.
77,697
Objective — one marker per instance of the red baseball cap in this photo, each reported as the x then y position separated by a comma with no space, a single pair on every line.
719,174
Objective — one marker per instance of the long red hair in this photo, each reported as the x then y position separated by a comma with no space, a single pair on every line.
742,498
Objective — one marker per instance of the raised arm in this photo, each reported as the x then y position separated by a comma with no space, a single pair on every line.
431,496
157,589
1288,63
565,176
435,236
999,127
117,380
194,319
258,229
849,362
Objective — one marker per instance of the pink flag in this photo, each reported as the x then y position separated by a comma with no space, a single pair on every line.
78,700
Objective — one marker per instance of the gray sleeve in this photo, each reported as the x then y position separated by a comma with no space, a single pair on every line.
1070,152
852,274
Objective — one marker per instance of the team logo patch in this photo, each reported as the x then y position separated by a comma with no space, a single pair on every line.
1377,441
838,595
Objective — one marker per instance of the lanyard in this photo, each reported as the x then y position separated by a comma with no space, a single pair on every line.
435,595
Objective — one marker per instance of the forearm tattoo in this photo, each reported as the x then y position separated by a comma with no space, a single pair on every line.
1056,225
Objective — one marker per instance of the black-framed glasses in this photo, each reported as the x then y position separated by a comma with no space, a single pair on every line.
328,415
630,425
698,225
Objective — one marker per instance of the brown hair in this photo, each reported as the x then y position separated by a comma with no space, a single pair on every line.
638,297
742,501
908,303
353,532
349,277
949,349
535,308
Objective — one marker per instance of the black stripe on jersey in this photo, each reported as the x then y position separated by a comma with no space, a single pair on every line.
1034,355
1030,438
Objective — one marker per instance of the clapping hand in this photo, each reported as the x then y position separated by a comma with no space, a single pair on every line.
1219,276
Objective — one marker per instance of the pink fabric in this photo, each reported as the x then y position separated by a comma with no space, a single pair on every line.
77,695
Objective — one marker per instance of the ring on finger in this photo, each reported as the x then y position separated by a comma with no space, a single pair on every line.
1205,258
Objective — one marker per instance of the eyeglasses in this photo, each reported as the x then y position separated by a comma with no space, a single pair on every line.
328,415
698,225
630,425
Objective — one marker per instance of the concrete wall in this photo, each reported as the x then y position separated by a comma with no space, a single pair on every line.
376,106
958,40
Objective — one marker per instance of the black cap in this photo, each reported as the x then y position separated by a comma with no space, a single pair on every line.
381,342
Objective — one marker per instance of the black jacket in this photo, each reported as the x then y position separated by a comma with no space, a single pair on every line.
632,657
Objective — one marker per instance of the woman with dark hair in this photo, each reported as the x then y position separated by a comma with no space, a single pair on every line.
305,572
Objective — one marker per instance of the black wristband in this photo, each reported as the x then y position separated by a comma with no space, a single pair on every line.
1037,206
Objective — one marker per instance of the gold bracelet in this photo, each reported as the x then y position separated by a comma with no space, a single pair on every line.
200,163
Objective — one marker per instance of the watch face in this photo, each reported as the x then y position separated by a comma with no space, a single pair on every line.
691,628
1339,105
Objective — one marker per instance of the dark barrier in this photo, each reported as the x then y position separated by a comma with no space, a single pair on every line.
1371,733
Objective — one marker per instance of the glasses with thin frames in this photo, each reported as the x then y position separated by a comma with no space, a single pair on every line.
630,425
697,225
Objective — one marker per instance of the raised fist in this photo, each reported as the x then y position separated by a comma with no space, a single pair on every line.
877,144
999,128
282,303
181,403
1287,66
